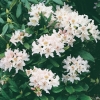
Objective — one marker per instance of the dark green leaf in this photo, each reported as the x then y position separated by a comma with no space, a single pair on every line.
98,4
49,19
23,1
13,4
43,97
84,97
36,98
54,63
2,55
26,45
47,1
78,88
72,97
70,89
50,98
59,98
33,1
19,96
23,86
86,55
1,20
85,87
23,27
11,26
4,94
46,31
60,2
97,19
27,5
42,61
57,89
13,86
5,28
19,10
3,42
27,94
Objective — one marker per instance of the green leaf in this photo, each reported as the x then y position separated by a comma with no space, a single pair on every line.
59,98
11,26
19,96
42,20
50,98
60,2
97,19
13,4
26,45
3,93
72,97
13,86
78,88
49,19
5,28
42,61
46,31
19,10
27,94
1,21
2,55
36,98
27,5
33,1
54,63
57,89
3,41
43,97
86,55
98,4
85,87
47,1
23,86
69,89
84,97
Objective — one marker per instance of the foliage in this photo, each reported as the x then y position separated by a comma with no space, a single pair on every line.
14,16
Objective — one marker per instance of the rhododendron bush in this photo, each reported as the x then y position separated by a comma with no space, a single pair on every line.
44,52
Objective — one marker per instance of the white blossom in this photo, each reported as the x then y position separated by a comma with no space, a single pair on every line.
14,59
79,26
74,67
42,80
18,36
35,12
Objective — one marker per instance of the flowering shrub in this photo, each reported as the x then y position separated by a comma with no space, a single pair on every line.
44,55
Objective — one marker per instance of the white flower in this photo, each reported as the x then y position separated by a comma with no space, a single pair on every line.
76,25
35,12
14,59
18,36
73,77
33,21
47,45
74,67
42,80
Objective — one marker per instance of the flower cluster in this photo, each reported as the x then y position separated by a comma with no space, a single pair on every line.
70,24
47,45
14,59
74,67
18,36
42,80
77,25
35,12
